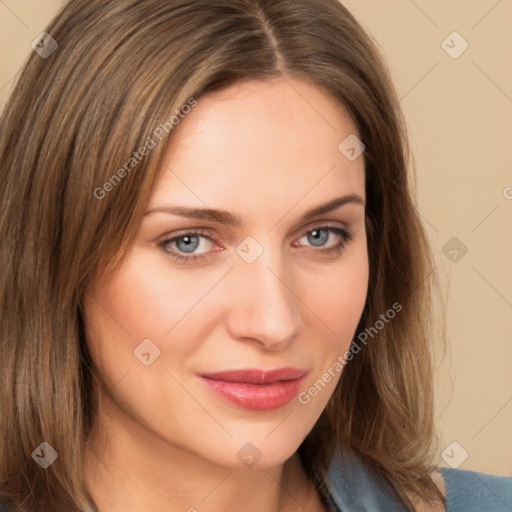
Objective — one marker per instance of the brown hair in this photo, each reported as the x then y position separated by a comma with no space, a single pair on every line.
120,70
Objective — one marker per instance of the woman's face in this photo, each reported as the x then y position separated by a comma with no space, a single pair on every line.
282,288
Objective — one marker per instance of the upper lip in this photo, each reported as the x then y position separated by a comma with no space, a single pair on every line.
256,376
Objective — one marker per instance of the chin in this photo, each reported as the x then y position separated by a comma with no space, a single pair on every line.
251,452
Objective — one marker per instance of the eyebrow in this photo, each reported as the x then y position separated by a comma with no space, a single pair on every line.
227,218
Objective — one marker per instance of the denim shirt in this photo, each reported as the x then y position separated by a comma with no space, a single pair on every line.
353,488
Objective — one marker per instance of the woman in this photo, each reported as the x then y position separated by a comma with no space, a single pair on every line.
215,292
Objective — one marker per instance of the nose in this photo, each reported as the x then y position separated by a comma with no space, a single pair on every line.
263,305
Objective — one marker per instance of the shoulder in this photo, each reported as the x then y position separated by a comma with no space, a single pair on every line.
468,491
353,486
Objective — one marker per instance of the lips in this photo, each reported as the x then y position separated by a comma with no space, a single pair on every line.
256,389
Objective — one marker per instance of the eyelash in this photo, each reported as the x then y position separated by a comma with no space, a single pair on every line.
335,249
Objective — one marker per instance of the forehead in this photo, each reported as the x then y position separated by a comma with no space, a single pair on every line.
258,143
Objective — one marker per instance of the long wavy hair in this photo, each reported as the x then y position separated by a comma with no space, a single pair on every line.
75,117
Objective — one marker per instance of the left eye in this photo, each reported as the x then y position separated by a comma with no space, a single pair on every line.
182,248
319,236
189,243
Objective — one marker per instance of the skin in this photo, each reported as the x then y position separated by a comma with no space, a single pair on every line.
267,152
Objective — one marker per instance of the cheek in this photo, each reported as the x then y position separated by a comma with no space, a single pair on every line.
119,315
145,300
337,296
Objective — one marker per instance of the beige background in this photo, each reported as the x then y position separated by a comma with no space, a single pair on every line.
459,114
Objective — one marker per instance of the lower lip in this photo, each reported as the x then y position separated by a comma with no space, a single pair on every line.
256,397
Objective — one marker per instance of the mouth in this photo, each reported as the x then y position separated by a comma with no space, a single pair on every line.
255,389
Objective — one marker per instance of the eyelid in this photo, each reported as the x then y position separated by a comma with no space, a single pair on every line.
323,224
187,231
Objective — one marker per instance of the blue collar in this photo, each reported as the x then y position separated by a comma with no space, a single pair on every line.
353,487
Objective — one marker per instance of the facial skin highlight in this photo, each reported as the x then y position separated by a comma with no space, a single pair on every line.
266,152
